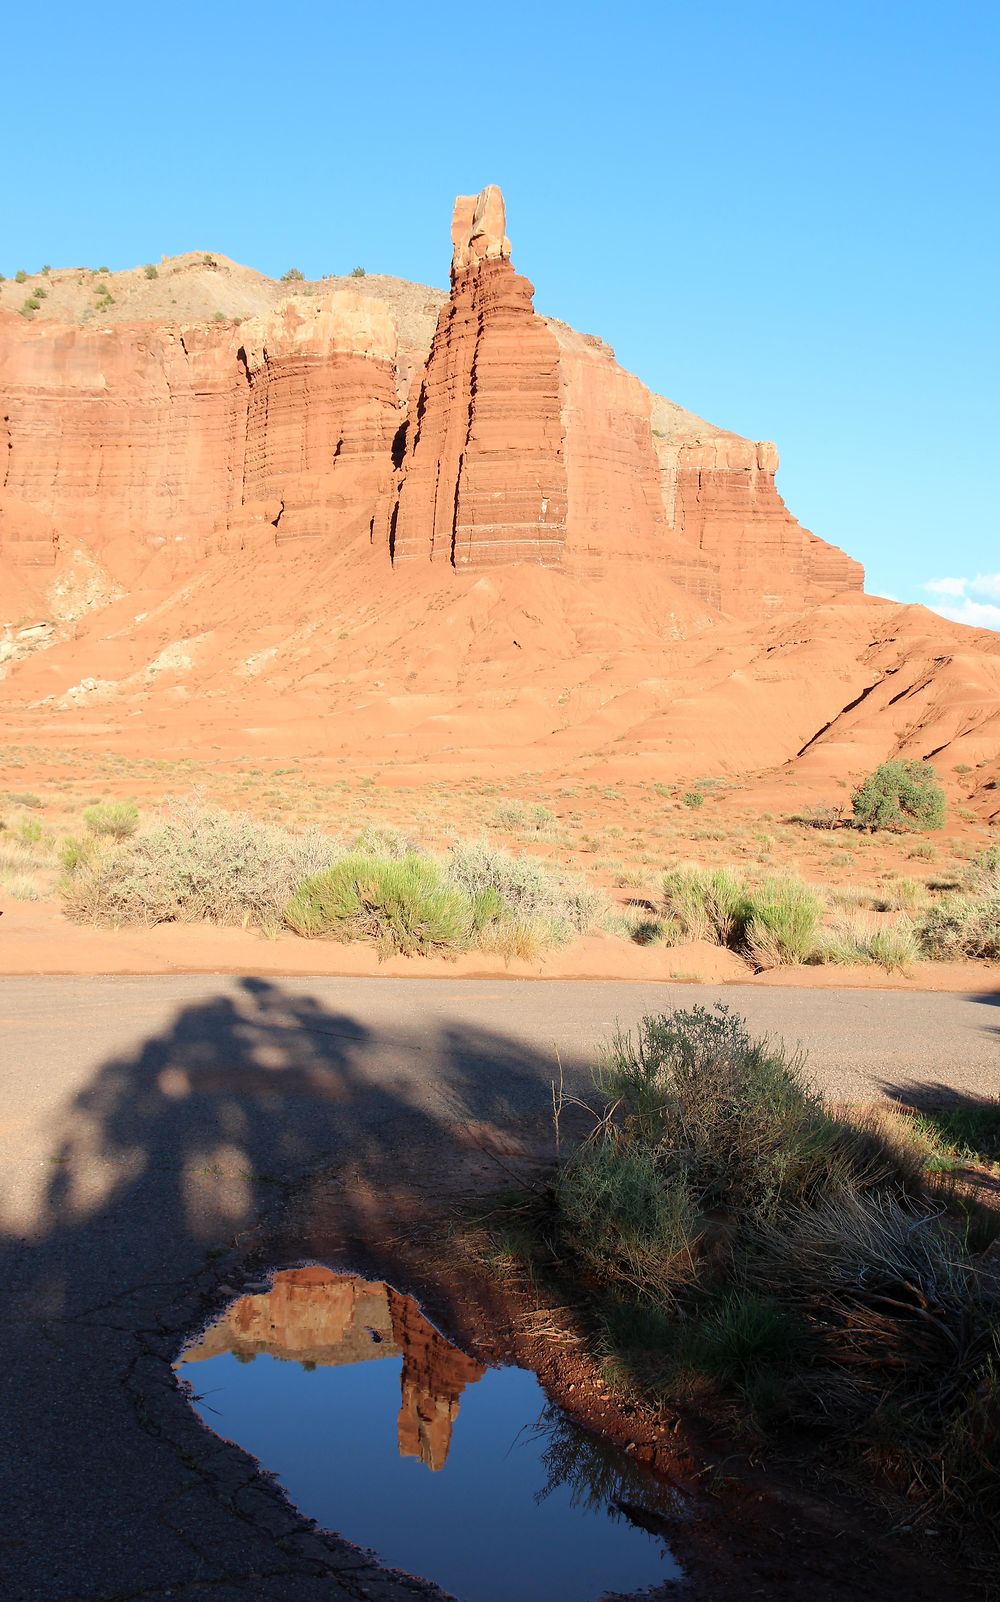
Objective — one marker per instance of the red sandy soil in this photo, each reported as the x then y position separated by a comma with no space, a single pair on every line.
35,938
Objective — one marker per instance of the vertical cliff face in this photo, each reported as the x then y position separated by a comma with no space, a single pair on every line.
527,442
484,474
132,438
520,441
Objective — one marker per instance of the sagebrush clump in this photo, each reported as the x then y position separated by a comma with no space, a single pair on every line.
197,864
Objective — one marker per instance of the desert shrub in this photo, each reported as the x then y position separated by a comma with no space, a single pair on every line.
197,864
22,887
20,277
771,923
705,904
628,1224
900,796
401,904
30,832
75,852
724,1223
149,271
693,798
529,819
782,922
31,304
24,798
553,904
966,922
219,317
960,926
292,276
743,1332
358,272
383,840
41,293
860,938
118,819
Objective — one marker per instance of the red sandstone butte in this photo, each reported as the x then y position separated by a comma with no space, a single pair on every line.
368,522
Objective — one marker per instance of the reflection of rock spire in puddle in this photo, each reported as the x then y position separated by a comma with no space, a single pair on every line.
318,1318
434,1376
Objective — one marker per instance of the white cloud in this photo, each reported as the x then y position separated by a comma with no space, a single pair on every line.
967,600
979,614
986,584
946,586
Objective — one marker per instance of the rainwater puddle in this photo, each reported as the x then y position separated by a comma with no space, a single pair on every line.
382,1431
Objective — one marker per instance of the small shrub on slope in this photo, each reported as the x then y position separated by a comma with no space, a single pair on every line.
900,796
967,923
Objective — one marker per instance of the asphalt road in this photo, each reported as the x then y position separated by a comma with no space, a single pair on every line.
143,1125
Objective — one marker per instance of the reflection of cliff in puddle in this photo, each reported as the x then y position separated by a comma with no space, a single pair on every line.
317,1318
521,1501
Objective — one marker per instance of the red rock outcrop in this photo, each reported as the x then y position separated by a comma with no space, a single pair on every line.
522,442
138,438
527,442
484,479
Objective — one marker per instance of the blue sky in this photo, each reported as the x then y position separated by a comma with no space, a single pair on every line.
782,215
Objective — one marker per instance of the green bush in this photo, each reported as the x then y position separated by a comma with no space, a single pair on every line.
402,905
628,1224
900,796
771,924
293,276
75,853
20,277
693,798
118,819
149,271
783,917
705,904
358,272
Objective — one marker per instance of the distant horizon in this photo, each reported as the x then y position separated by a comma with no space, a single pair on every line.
776,218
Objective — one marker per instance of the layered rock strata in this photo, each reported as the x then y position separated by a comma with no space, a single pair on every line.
135,438
316,425
484,479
